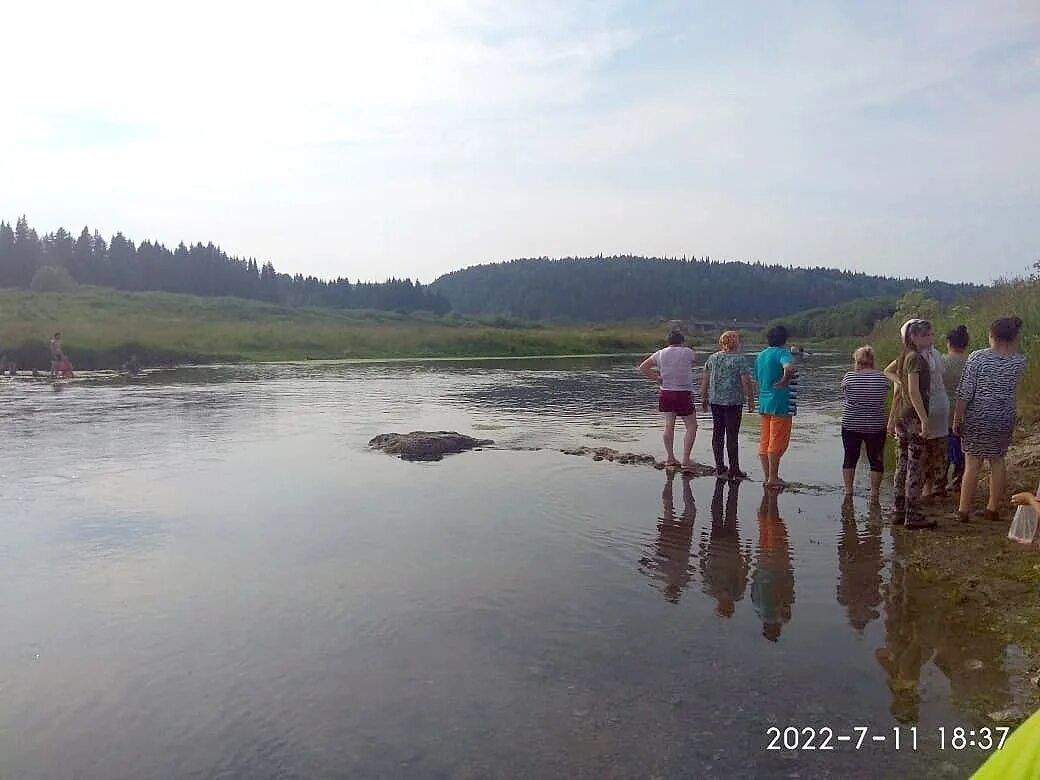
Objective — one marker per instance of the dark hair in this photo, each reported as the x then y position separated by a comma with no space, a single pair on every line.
777,336
57,333
958,337
1006,328
675,337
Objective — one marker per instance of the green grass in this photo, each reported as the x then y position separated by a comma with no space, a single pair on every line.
103,327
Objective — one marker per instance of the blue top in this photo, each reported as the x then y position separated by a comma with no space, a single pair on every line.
769,369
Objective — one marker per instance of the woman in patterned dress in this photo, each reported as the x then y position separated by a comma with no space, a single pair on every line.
985,414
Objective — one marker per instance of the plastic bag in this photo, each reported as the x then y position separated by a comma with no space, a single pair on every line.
1023,527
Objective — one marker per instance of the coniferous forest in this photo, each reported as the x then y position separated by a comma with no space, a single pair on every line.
592,289
59,260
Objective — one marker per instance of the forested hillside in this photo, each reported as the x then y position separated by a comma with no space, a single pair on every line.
58,261
599,289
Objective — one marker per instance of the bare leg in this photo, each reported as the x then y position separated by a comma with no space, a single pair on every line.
969,482
875,486
849,476
764,460
691,435
669,436
774,471
997,483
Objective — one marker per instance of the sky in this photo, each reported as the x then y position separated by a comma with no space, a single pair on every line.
408,139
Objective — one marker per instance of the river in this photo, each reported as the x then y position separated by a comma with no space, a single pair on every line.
207,573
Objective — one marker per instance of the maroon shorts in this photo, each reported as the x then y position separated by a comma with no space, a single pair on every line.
678,402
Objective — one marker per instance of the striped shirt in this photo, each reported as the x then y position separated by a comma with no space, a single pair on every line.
865,395
990,380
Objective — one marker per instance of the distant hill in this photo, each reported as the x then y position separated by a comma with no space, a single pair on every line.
599,289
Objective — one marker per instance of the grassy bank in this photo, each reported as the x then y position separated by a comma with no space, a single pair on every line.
102,328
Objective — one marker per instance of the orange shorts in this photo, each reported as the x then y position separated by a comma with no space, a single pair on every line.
776,434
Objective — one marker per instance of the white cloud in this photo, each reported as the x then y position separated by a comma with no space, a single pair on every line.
367,139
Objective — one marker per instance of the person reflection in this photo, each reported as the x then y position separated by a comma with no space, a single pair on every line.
923,624
859,568
772,583
670,560
908,644
724,566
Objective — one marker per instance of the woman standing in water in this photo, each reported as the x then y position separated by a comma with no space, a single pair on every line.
909,422
672,369
956,357
863,420
725,388
985,414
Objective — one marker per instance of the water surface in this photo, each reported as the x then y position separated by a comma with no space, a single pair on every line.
206,573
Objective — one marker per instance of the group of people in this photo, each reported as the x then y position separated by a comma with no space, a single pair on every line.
730,382
948,413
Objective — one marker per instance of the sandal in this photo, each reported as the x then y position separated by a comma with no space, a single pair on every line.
992,515
964,517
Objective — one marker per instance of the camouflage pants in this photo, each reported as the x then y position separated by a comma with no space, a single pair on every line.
936,463
910,469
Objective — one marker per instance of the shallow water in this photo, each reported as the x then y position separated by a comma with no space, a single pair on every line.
206,573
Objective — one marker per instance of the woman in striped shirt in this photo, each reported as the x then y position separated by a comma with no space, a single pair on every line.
864,420
985,414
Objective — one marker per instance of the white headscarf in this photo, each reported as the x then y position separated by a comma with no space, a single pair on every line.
907,324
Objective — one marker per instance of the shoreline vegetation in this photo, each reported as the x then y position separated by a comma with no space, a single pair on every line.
102,328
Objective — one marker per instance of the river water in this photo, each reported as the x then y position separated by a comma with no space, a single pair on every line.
206,573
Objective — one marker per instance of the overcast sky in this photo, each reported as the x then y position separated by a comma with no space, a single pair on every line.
369,139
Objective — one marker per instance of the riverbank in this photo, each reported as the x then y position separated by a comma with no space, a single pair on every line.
102,328
986,585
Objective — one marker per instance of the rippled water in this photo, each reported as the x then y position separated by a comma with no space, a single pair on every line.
206,573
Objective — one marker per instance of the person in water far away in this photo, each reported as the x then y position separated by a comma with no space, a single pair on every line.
56,354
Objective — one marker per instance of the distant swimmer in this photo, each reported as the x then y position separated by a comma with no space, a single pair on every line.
56,354
132,367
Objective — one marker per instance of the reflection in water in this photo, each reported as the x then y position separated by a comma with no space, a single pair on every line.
724,565
859,568
910,637
772,583
670,559
922,626
134,511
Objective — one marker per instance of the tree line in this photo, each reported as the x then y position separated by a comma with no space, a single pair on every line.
58,261
584,289
596,289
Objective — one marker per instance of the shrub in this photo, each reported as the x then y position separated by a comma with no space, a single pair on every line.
52,279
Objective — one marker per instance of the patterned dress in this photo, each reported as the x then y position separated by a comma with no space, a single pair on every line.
988,385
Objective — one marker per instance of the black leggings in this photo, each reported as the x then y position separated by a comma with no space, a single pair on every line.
853,440
725,425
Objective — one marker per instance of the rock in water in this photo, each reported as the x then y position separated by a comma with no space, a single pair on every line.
425,445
